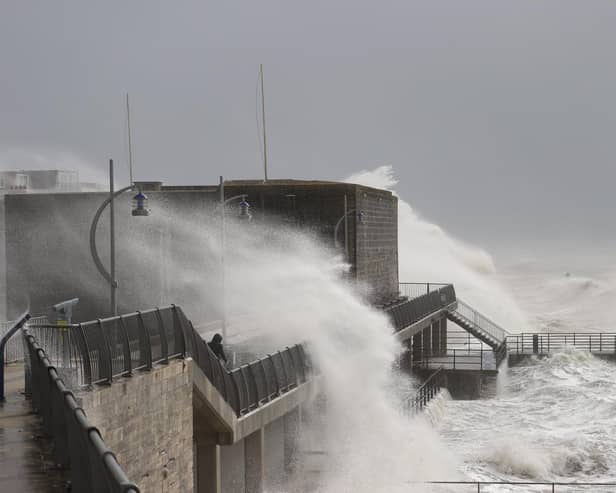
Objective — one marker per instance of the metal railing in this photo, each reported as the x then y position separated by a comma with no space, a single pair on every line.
428,391
251,385
14,349
479,322
462,339
77,443
549,342
457,359
404,314
413,290
545,486
98,351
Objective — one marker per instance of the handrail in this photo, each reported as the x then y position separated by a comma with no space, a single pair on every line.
91,461
458,359
547,342
100,350
19,323
476,319
412,290
14,349
411,311
426,392
553,484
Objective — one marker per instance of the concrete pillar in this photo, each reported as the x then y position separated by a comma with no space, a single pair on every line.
406,356
444,335
427,341
253,461
417,348
292,428
208,466
436,337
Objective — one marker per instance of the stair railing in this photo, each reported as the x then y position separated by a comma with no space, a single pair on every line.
479,321
428,391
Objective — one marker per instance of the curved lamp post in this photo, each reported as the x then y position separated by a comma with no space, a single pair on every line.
140,202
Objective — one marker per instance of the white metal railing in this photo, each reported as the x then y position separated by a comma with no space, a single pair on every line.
14,350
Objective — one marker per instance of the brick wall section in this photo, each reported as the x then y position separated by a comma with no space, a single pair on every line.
376,254
147,420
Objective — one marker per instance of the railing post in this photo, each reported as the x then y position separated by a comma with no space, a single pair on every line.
107,345
18,325
145,343
128,364
164,344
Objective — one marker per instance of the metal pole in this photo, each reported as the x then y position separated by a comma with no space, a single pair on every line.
222,260
346,229
114,284
18,325
130,146
263,119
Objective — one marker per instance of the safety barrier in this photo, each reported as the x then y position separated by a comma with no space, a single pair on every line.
550,342
249,386
98,351
523,486
428,391
458,359
476,321
14,350
77,443
412,290
405,314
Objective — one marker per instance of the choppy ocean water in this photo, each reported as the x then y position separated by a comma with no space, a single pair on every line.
553,419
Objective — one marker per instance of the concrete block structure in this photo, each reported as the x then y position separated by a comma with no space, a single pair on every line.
45,256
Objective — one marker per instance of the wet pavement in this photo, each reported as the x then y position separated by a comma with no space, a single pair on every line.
25,454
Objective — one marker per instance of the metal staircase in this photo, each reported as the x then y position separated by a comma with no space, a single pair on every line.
478,325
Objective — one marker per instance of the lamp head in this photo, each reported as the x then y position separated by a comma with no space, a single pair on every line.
140,205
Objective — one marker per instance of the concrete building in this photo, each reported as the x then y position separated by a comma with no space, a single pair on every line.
45,255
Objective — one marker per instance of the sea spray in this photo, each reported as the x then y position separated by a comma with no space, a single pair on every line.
428,254
289,289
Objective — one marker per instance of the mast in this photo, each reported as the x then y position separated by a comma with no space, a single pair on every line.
263,121
130,145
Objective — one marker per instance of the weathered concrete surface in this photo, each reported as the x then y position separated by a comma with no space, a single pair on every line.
25,456
213,414
427,321
147,420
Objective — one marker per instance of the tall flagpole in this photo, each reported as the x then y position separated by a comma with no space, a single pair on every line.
130,144
263,117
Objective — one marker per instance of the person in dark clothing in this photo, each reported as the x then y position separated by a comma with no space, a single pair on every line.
216,347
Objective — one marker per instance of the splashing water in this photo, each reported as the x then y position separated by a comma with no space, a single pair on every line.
429,254
287,288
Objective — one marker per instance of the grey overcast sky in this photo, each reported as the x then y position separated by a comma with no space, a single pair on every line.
498,117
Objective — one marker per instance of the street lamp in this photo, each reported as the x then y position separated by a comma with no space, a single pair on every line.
244,215
140,208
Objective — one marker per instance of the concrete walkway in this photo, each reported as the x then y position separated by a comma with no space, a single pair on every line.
25,459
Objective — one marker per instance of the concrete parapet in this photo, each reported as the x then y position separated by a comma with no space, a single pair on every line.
147,421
